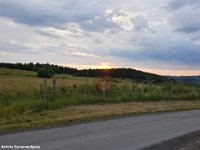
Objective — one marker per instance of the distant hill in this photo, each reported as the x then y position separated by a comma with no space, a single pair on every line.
122,73
114,72
187,79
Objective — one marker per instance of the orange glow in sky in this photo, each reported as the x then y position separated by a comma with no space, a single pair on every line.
172,72
108,65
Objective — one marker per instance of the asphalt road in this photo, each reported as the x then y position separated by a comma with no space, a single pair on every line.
127,133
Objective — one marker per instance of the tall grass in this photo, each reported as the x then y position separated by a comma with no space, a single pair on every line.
24,94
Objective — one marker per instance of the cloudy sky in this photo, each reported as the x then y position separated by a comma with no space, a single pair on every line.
159,36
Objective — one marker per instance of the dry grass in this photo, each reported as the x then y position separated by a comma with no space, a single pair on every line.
14,80
74,114
14,72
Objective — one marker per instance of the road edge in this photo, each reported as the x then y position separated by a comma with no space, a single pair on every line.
67,124
176,143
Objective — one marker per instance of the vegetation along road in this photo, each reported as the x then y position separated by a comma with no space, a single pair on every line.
123,133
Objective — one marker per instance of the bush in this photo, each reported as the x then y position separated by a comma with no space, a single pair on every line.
46,72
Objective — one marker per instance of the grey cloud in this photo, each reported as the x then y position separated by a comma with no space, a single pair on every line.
140,23
116,13
56,13
28,12
14,47
185,20
178,56
98,41
172,51
48,34
100,24
176,4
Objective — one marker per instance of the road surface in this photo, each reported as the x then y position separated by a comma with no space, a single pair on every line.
127,133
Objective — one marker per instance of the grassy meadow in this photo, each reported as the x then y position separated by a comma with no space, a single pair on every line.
21,97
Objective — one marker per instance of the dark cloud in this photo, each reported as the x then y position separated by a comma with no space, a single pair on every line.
56,13
29,12
185,14
177,4
186,20
180,52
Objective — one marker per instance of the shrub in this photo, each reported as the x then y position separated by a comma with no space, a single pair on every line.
46,72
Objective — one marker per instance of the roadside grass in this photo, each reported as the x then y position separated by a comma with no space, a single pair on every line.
81,113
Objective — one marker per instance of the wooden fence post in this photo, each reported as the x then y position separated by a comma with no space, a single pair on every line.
171,89
104,90
45,90
193,90
142,88
54,85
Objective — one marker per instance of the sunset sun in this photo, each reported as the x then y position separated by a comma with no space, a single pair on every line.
104,65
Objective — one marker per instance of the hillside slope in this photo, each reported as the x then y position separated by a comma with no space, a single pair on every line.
114,72
122,73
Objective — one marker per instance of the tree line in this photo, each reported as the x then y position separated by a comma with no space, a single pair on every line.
128,73
114,72
36,66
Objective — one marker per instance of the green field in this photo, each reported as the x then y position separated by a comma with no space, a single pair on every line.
21,93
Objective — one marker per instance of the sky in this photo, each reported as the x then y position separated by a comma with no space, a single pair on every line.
158,36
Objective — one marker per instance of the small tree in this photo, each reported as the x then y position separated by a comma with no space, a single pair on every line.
46,72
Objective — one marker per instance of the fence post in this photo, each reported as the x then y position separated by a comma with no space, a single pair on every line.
193,90
45,90
171,89
104,90
54,85
142,88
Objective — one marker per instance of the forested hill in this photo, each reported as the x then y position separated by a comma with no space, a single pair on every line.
114,72
122,73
